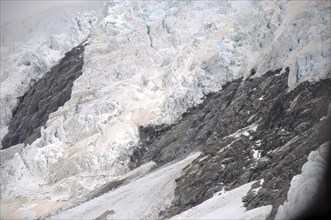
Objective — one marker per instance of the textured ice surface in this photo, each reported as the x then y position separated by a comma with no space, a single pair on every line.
30,47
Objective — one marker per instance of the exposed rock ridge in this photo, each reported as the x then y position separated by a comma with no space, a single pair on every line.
45,97
252,129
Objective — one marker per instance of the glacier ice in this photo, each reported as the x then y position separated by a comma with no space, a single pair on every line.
304,187
146,63
31,47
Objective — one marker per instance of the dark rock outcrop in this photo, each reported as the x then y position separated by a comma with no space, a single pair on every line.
45,97
290,124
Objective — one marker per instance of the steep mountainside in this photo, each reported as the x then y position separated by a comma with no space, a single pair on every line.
251,130
45,97
270,133
190,108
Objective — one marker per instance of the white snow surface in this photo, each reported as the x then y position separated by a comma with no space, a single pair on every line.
304,187
146,63
226,205
143,198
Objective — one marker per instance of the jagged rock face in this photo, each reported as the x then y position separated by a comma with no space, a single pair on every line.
45,97
251,130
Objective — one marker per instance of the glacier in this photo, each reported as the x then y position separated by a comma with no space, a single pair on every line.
307,186
146,62
30,47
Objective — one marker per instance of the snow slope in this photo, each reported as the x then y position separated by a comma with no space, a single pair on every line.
226,205
146,62
143,198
